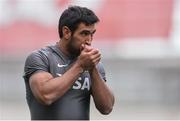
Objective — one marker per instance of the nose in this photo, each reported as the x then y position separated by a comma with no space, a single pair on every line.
89,40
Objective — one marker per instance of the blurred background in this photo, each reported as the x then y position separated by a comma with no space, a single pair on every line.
139,41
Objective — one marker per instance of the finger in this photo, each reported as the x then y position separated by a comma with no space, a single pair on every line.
82,47
94,51
97,55
87,48
97,60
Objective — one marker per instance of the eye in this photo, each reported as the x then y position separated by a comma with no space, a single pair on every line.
85,33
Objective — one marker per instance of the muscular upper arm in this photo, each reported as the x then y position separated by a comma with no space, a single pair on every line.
37,83
36,72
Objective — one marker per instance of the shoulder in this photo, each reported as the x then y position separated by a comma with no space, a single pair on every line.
37,60
38,56
101,70
100,66
42,53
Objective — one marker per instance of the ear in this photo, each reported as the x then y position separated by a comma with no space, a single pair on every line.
66,32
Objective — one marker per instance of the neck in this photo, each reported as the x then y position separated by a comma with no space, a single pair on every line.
62,47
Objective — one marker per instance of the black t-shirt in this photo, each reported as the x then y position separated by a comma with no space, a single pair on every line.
74,104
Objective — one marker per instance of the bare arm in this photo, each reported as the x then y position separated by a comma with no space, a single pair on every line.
48,89
103,97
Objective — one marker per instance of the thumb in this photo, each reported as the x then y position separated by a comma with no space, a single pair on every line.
86,48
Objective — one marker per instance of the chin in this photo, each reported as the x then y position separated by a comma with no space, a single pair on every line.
74,55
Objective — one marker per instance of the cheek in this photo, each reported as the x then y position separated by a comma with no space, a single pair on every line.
77,42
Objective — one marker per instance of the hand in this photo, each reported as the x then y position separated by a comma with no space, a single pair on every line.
89,57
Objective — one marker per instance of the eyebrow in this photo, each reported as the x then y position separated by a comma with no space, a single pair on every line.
87,31
94,31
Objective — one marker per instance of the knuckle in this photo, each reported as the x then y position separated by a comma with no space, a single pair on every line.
91,58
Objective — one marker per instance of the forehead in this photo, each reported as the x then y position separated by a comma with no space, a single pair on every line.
83,27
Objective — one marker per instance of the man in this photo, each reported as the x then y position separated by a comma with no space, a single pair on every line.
60,78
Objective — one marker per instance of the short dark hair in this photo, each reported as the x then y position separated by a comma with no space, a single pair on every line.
73,16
